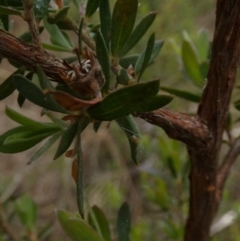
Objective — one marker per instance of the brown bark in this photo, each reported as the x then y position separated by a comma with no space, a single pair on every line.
202,134
31,56
213,111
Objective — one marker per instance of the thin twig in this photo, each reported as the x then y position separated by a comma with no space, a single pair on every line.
4,226
29,17
227,163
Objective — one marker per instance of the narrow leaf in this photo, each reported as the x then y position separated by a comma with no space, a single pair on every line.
7,87
156,49
31,92
123,19
124,223
66,140
105,18
124,101
46,146
182,94
129,60
56,48
191,64
144,58
47,85
78,230
91,7
129,126
103,58
102,222
22,138
138,32
155,103
9,11
21,99
25,121
61,14
56,36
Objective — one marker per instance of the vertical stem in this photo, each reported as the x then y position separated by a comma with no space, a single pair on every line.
213,110
80,195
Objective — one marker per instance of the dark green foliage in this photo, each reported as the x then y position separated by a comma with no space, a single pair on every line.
91,8
123,101
96,217
105,18
7,87
123,19
66,140
124,223
103,58
129,126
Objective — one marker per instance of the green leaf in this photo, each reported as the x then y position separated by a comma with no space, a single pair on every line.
61,14
40,8
129,60
47,85
91,7
138,32
26,209
124,101
123,19
155,103
9,11
95,28
46,146
103,58
78,230
191,64
156,49
182,94
63,216
56,48
124,223
56,36
25,121
129,126
22,138
21,99
31,92
105,19
102,222
7,87
144,58
66,140
122,77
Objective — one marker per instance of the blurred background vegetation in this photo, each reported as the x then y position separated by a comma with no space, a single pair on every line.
157,189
